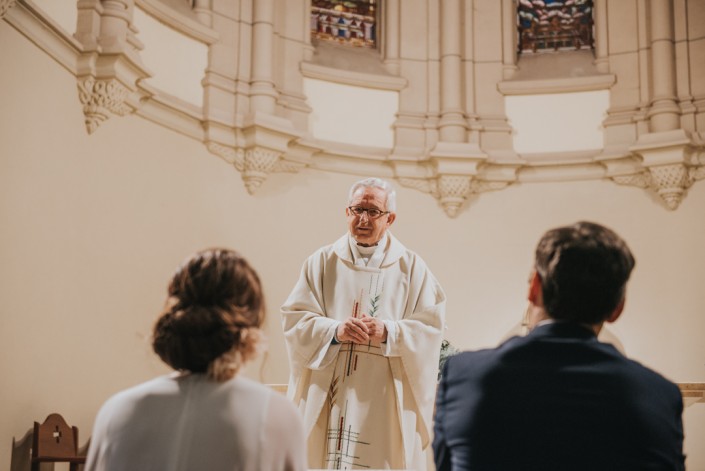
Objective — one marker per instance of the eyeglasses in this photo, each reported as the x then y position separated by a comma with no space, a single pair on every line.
372,213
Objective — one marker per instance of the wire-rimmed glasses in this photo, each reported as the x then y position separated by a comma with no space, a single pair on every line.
372,213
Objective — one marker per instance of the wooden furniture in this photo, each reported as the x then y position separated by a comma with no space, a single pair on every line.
55,442
692,393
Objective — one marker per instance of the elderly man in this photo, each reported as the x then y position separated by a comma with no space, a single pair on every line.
558,399
363,329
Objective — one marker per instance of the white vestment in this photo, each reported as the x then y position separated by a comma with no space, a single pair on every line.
365,406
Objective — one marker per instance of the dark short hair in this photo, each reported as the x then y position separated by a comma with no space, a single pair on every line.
214,304
584,270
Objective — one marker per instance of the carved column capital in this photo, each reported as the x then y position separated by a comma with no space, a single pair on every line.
452,191
5,5
109,68
256,165
100,99
666,162
670,182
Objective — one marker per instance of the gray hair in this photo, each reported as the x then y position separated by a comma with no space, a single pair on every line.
376,183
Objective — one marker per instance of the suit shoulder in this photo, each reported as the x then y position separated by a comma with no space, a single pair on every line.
471,359
651,376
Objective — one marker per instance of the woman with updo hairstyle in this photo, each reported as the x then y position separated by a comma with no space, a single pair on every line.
204,415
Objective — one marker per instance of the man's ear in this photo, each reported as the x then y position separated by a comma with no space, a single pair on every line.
535,295
390,218
617,311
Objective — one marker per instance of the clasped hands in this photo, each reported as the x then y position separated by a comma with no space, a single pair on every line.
363,330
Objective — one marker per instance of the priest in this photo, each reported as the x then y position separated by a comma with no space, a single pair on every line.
363,329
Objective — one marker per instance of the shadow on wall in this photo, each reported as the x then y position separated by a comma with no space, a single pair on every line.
21,452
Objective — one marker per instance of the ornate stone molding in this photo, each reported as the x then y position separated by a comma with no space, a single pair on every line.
670,182
664,163
669,167
640,180
254,163
5,5
109,67
451,191
697,173
100,99
255,117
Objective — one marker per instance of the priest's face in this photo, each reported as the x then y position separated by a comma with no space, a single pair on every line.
368,230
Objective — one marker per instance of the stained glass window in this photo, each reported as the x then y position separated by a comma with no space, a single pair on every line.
350,22
550,25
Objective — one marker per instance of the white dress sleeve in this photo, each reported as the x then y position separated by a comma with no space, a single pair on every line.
284,437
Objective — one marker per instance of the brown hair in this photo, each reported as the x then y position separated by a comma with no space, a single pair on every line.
211,319
584,269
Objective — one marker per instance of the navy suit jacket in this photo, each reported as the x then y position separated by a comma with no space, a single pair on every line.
557,399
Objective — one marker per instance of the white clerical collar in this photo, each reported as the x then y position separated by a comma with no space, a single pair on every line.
368,256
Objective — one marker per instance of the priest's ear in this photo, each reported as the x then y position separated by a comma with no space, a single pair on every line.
390,218
535,295
617,311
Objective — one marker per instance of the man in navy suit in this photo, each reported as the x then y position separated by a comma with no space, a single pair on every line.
558,399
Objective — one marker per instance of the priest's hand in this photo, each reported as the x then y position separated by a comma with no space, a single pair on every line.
353,330
377,331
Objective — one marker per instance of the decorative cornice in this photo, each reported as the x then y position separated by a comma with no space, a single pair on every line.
668,163
254,163
255,167
227,153
100,99
5,5
640,180
266,141
109,66
670,182
451,191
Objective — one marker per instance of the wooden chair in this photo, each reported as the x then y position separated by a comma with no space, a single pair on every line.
55,442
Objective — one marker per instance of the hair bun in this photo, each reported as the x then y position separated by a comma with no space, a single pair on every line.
214,300
190,338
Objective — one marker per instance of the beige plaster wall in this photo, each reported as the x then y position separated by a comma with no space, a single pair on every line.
91,228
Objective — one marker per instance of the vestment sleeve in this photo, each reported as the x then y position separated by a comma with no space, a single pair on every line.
308,332
416,338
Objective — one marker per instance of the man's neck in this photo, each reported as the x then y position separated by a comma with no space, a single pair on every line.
593,327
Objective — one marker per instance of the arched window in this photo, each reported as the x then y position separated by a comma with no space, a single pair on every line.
551,25
349,22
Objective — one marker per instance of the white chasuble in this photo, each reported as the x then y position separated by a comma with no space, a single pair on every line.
365,406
